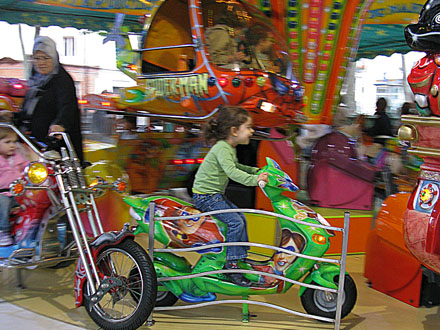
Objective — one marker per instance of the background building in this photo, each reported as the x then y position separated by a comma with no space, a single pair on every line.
91,63
384,76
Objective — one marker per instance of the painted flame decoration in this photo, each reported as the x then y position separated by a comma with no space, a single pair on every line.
426,195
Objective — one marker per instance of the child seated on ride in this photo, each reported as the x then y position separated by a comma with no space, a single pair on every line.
222,45
261,42
233,126
12,165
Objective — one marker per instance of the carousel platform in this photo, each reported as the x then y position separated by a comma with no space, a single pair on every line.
48,304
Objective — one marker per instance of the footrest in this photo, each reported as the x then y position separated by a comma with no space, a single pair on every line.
6,251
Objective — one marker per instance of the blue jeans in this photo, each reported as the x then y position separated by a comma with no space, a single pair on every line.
235,222
6,203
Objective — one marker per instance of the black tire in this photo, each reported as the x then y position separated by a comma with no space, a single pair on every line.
117,309
165,298
323,303
135,291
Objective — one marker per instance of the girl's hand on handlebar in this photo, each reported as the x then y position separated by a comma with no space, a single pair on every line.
263,177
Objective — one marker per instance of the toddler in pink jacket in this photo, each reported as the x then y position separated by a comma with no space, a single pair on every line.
12,165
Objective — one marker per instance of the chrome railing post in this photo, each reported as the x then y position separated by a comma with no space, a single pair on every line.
341,262
152,208
342,270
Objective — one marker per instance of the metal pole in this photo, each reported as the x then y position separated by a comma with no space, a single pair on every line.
91,221
84,237
342,270
152,208
96,214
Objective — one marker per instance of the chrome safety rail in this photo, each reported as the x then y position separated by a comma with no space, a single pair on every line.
341,261
195,119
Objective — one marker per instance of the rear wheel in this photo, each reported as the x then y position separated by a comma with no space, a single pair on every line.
164,297
323,303
128,305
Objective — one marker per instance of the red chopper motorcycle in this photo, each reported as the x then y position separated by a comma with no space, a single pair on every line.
114,277
403,250
421,219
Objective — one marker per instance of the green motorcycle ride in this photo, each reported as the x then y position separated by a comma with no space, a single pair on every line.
205,233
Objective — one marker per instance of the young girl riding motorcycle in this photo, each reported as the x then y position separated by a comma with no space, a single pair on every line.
233,126
12,165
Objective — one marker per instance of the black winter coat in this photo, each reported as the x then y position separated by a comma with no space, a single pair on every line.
382,126
57,105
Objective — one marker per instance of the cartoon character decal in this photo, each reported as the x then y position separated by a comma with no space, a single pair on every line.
303,211
280,261
35,206
191,232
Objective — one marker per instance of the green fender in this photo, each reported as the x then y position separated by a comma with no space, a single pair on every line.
163,263
323,276
173,261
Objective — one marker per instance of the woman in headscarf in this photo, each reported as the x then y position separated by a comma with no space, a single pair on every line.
50,105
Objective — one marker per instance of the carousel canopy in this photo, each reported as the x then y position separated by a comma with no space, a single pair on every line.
385,39
382,33
81,14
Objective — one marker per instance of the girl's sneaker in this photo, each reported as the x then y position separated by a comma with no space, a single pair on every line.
5,238
236,278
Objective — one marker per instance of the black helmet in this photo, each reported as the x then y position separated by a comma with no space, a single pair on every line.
425,35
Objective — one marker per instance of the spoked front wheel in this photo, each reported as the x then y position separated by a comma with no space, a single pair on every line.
323,303
127,305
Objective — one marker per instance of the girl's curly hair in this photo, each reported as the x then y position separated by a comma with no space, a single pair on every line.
219,128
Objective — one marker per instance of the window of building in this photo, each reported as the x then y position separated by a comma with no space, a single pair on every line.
69,46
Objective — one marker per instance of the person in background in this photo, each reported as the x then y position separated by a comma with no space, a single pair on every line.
382,124
128,128
50,104
406,108
221,40
261,42
232,127
12,165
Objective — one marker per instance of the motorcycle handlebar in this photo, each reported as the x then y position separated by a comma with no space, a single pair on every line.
24,138
52,142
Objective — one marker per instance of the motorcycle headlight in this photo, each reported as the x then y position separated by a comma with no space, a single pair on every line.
267,106
319,239
36,173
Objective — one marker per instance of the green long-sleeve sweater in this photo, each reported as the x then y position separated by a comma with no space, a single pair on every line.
220,164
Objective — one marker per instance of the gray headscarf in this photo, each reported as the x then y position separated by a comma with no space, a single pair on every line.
38,80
